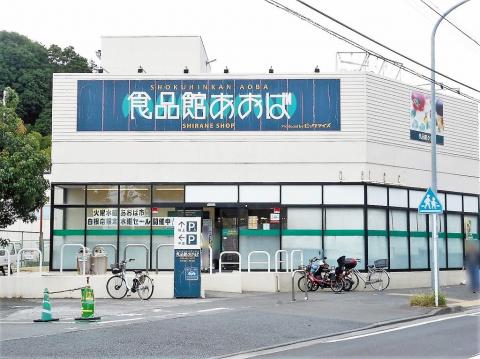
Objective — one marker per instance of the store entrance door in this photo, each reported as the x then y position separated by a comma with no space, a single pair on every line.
229,235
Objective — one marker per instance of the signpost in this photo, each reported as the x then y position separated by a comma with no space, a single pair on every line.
430,204
186,244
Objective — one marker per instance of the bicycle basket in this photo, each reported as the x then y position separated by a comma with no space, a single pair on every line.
115,268
381,263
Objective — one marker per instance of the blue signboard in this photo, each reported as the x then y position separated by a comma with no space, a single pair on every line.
187,282
209,105
430,203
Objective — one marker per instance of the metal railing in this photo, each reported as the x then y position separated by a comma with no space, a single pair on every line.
7,252
40,262
279,261
115,250
230,252
73,245
258,262
156,254
305,289
147,252
291,257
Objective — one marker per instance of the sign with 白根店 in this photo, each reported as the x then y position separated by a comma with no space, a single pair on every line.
209,105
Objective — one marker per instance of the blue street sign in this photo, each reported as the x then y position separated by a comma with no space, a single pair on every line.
430,203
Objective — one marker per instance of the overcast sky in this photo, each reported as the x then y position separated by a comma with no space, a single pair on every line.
249,36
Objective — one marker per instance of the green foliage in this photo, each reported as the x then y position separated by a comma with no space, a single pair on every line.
28,68
428,300
22,165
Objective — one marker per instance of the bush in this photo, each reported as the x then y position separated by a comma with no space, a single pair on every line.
428,300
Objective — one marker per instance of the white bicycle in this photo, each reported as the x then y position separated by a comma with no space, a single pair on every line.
117,286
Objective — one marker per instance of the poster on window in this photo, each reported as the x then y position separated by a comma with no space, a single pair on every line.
420,122
103,217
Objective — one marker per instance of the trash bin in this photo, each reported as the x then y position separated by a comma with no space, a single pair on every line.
81,258
99,261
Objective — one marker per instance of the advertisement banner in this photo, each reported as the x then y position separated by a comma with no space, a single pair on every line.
209,105
420,122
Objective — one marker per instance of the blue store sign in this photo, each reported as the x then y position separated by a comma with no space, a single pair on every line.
187,279
209,105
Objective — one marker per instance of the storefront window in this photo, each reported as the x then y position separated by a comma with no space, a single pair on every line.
135,194
162,233
377,235
418,241
344,234
102,225
135,229
97,194
455,240
442,240
69,194
302,229
68,228
398,239
168,194
259,231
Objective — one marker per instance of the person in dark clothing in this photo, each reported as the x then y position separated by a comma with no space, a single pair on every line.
472,261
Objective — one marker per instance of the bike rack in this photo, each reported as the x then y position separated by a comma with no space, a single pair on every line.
210,253
156,254
107,245
29,249
7,250
291,257
259,262
278,260
72,245
230,252
147,252
293,283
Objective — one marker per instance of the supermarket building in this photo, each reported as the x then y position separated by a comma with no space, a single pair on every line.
337,162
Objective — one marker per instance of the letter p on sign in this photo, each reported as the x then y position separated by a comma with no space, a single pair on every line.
191,239
191,226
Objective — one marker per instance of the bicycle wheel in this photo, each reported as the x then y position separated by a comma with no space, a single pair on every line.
379,279
347,284
301,284
337,285
354,278
117,287
145,287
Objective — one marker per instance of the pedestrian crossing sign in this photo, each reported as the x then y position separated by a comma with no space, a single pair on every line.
430,203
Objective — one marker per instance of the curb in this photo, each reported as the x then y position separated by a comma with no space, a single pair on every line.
432,313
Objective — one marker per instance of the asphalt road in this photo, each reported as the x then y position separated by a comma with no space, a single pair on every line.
197,328
448,336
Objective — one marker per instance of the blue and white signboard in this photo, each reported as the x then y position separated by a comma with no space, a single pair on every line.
430,203
209,105
186,244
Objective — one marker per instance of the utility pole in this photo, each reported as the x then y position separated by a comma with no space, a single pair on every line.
433,126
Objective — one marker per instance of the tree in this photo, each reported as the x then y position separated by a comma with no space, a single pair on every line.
22,165
67,60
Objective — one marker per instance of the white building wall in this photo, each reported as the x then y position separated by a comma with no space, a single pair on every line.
158,55
373,144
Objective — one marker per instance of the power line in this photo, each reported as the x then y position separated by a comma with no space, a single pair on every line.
383,45
353,43
451,23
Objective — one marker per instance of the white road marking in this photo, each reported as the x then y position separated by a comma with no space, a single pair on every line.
119,320
398,328
476,356
128,314
30,322
211,310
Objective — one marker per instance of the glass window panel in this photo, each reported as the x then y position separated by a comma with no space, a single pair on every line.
102,225
377,195
470,204
210,193
135,229
442,250
377,235
168,194
259,231
470,227
68,228
135,194
418,241
398,197
162,234
455,240
302,194
346,194
259,194
415,198
69,194
344,233
454,202
102,194
302,230
398,239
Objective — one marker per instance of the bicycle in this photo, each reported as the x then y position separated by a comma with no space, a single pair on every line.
377,277
117,286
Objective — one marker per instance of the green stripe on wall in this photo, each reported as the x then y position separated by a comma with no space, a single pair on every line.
260,232
135,232
101,232
344,232
68,232
162,232
302,232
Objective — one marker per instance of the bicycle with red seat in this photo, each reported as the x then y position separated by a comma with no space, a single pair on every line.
117,285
